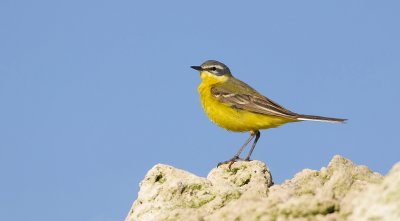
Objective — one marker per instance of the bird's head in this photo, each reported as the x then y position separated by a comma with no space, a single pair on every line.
212,68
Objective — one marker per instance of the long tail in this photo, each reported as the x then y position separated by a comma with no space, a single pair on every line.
319,118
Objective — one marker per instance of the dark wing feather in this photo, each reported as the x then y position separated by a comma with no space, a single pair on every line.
244,97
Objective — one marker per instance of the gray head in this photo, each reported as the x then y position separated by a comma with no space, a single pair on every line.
214,67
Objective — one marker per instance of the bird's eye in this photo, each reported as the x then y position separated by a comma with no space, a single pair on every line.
213,68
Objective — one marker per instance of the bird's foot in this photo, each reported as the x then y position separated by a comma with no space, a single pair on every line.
231,161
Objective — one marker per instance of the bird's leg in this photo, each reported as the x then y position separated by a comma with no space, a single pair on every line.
236,156
258,134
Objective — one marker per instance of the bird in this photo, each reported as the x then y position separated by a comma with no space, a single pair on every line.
236,106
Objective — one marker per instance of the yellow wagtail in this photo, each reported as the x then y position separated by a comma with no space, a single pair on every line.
235,106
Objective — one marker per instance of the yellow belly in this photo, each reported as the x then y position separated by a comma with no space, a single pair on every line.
235,119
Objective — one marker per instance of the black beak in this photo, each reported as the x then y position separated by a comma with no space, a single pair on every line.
197,68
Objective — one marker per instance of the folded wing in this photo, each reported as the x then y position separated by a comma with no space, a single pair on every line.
250,100
241,96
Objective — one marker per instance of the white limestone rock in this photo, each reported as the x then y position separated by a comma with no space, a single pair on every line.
379,202
341,191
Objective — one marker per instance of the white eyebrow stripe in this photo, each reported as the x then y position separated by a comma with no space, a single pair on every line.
216,66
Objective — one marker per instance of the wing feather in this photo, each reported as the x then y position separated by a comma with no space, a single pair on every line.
244,97
239,95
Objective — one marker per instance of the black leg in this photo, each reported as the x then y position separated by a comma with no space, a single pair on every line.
244,145
258,134
236,156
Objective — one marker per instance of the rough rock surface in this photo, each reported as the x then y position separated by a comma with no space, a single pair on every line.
341,191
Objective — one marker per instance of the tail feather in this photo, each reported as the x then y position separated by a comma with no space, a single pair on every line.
319,118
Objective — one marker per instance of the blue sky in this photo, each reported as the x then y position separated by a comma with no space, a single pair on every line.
94,93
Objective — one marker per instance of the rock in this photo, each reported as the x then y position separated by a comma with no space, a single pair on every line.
168,193
342,191
380,202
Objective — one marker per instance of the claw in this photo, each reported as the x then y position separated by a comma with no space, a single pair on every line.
231,161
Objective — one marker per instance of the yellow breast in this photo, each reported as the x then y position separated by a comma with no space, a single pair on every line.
230,118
